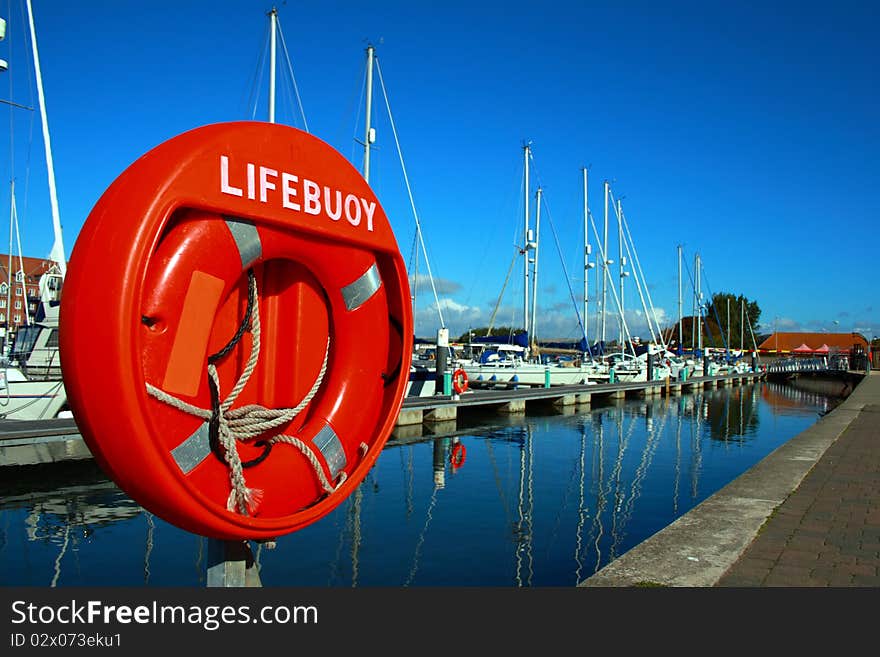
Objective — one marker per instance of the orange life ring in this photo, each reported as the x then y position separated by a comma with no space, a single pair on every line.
456,458
459,381
234,296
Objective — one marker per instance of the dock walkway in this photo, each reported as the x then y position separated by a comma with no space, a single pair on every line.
808,515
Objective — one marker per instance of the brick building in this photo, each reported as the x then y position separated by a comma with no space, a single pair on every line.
24,282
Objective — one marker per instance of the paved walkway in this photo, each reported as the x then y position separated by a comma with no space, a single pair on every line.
808,515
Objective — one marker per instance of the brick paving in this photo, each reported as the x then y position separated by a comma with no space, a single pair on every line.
827,532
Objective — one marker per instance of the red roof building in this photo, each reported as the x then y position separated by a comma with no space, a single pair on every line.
20,288
788,343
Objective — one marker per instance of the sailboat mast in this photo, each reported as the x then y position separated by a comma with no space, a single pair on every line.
680,317
742,321
621,262
586,258
369,133
58,247
535,265
699,305
526,152
273,23
605,263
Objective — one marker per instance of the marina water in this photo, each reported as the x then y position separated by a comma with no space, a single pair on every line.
542,499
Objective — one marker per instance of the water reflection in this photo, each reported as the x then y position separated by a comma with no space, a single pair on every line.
543,499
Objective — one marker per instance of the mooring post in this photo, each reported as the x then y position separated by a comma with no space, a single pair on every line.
442,349
231,564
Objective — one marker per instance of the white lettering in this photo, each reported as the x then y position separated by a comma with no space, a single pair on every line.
225,187
352,200
333,214
264,182
250,181
311,197
369,208
297,194
288,191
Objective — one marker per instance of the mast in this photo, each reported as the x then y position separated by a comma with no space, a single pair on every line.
57,253
621,263
538,194
587,264
273,22
526,151
605,262
680,318
728,329
699,304
369,132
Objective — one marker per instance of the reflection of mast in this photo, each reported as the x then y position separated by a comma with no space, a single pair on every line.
357,498
61,555
441,447
601,495
149,549
622,441
526,509
582,508
410,476
651,443
696,446
677,455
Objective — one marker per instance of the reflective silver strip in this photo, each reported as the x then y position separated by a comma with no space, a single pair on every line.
247,239
331,447
357,293
192,451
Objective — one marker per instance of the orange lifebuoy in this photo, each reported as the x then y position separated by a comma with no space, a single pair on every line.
257,325
456,458
459,381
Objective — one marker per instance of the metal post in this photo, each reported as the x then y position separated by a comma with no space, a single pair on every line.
442,349
231,564
650,366
680,317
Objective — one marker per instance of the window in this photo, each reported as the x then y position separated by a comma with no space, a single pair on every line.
17,319
18,305
4,288
2,303
2,317
18,291
19,276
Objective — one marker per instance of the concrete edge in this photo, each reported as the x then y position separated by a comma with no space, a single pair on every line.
700,546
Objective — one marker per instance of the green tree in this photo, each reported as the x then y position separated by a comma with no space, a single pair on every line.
729,310
484,330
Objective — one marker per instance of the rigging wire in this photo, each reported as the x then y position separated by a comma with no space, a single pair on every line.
409,192
292,77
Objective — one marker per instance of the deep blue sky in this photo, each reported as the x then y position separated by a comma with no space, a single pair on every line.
744,131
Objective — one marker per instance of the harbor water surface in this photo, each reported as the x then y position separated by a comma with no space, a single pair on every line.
542,499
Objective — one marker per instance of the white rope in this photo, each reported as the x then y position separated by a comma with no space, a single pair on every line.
249,421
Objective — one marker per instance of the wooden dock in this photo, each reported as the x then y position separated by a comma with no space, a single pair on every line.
34,442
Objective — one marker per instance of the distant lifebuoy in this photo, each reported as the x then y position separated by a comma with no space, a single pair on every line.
459,381
238,398
456,458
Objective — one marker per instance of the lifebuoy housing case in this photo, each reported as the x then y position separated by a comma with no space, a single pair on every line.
250,307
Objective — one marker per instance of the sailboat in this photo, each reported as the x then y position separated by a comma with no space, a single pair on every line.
31,385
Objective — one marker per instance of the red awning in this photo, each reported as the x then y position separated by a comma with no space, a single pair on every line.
803,349
824,349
